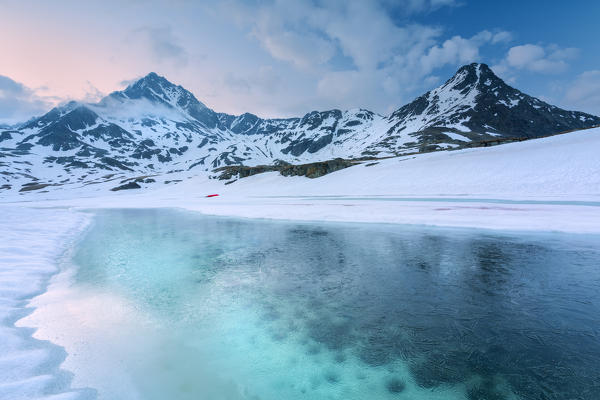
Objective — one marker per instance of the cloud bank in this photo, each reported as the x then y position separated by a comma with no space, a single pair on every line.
18,102
273,58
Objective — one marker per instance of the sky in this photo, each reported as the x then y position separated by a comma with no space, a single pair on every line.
286,58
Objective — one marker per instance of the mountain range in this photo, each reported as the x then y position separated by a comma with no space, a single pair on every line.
156,127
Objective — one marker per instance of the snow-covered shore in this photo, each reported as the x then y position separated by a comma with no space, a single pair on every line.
550,184
32,242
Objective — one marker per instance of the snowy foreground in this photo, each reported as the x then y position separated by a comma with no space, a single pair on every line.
550,184
32,242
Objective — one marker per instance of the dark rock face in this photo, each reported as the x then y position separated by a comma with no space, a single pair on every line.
245,124
483,106
60,134
5,136
60,138
529,117
129,185
315,119
111,162
50,116
316,170
311,170
35,186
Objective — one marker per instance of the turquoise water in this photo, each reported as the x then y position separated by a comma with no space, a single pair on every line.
219,308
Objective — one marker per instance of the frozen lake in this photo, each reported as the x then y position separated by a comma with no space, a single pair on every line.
165,304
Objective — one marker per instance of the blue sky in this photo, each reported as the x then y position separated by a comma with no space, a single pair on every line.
285,58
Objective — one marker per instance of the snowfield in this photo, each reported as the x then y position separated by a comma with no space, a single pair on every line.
550,184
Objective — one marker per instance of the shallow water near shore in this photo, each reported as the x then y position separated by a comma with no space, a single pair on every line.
170,304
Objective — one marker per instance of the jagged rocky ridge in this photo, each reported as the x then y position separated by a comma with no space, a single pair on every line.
316,169
154,126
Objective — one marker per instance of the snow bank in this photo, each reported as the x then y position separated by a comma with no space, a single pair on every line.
32,241
564,166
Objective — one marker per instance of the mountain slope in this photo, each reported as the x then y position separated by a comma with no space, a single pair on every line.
476,105
156,127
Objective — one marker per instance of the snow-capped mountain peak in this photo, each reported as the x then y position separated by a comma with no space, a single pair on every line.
153,96
154,126
476,105
158,89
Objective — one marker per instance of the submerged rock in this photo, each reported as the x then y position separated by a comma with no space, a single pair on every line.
485,391
395,385
332,377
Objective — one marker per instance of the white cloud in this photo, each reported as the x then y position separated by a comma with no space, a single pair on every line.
525,55
286,30
383,62
558,53
441,3
417,6
584,93
269,57
456,50
531,57
502,37
390,74
92,94
18,103
263,82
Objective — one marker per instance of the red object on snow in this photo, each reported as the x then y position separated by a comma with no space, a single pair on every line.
212,195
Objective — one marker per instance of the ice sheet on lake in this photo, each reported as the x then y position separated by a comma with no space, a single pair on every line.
241,309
